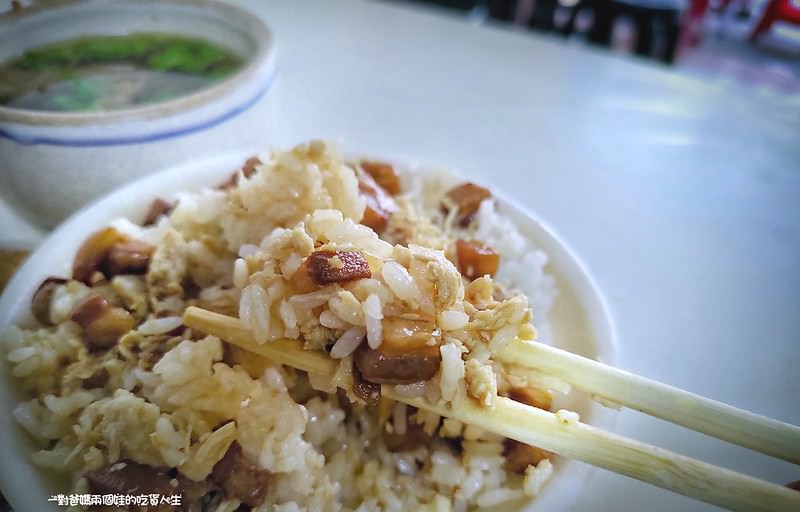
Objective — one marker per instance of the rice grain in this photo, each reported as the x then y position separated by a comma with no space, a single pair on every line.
348,342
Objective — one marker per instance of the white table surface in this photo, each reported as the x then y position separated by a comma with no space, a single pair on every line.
682,197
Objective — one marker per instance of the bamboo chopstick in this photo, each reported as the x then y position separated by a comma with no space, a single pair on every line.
744,428
657,466
526,424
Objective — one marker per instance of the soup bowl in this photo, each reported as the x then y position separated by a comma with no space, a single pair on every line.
52,163
578,317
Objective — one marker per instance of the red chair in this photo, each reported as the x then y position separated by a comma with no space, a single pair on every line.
777,10
693,24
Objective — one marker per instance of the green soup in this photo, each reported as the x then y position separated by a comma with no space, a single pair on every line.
92,74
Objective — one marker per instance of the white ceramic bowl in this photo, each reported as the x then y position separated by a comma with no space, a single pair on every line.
51,164
579,317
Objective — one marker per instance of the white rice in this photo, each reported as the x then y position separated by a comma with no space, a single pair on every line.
330,320
288,315
495,497
247,250
240,273
452,371
453,320
180,402
372,319
348,342
313,299
400,281
417,389
162,325
536,477
567,417
523,265
503,336
347,308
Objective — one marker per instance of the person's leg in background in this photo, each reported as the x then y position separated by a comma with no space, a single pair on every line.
544,12
643,19
672,32
602,22
568,27
504,10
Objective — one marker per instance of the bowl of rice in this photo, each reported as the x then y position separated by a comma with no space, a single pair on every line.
408,276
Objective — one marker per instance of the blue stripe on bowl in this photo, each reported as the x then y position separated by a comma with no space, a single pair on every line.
153,137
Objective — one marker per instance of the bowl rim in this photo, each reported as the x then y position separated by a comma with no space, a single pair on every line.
256,29
559,494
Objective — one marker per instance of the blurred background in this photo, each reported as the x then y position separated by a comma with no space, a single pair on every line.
753,45
752,42
641,170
